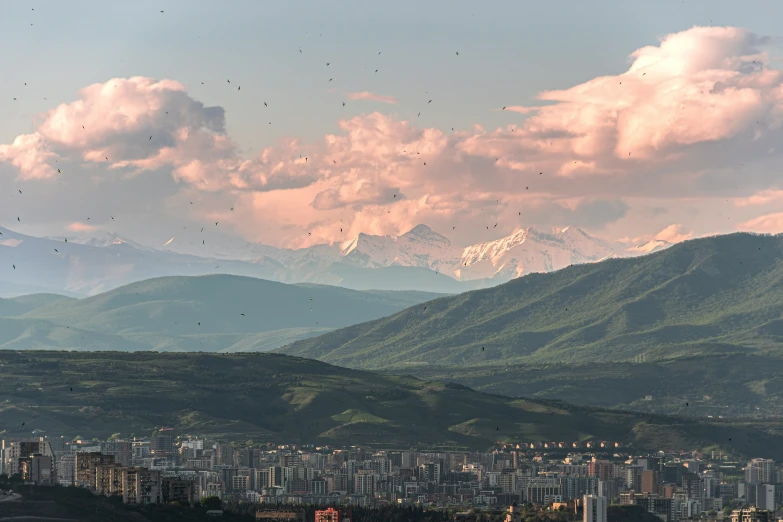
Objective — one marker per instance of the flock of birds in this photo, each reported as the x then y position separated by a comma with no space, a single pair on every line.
228,81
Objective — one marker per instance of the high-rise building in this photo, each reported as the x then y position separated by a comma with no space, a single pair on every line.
603,469
13,451
542,491
162,445
85,468
38,470
122,450
650,481
765,496
594,508
760,471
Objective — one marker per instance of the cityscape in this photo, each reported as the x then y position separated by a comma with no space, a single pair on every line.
410,261
278,482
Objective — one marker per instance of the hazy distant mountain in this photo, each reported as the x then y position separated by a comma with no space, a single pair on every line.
527,250
705,296
420,259
208,313
106,239
26,303
88,266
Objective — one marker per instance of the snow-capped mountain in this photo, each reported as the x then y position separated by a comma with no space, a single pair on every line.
532,250
527,250
648,248
420,259
107,239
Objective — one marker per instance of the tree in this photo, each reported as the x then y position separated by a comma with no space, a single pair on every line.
212,502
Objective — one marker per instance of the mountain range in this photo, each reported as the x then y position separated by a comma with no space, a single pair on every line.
274,398
204,313
715,295
420,259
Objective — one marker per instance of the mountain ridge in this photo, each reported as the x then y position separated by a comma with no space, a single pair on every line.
418,259
204,313
711,295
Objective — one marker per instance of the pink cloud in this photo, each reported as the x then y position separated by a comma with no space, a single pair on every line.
146,124
521,110
369,96
30,154
701,103
674,234
81,227
768,223
760,198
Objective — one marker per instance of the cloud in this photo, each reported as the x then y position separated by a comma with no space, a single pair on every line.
768,223
81,227
675,129
143,124
761,198
694,93
369,96
674,234
521,110
30,154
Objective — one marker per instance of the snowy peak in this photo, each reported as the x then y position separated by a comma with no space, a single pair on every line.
110,239
651,246
493,249
425,235
531,250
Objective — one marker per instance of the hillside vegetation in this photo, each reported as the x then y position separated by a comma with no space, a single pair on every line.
206,313
716,295
279,398
735,385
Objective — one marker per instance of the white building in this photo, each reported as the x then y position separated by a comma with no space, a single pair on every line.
594,509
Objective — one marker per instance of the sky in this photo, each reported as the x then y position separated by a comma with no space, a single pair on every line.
303,122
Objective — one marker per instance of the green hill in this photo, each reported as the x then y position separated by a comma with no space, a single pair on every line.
270,397
206,313
721,294
734,385
26,303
